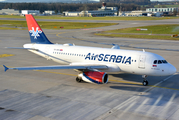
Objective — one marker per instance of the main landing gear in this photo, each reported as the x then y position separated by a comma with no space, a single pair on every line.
145,82
78,79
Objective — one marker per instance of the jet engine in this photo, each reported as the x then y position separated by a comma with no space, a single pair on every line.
93,77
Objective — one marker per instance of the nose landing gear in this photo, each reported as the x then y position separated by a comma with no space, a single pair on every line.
145,82
78,79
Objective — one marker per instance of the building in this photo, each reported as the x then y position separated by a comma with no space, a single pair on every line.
98,13
161,9
103,11
49,12
33,12
157,12
72,14
9,12
132,13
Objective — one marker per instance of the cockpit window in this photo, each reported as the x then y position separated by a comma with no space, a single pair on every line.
164,61
155,61
160,61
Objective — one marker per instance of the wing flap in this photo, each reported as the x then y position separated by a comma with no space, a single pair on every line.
58,67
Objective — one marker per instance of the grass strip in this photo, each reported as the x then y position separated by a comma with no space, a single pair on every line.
10,24
154,29
92,18
163,32
139,36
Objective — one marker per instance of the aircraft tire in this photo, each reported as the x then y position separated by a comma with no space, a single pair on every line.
78,80
145,83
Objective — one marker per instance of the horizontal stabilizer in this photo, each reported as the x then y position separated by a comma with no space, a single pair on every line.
21,48
5,68
115,46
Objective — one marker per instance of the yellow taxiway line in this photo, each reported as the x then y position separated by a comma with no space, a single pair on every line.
119,81
6,55
55,72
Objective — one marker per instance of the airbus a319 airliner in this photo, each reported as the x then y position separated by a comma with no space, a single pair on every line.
93,63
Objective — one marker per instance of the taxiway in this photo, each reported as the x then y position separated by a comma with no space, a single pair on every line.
55,95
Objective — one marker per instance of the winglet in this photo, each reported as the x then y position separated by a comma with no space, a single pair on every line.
5,68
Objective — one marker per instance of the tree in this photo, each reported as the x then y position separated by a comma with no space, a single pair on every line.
68,6
175,12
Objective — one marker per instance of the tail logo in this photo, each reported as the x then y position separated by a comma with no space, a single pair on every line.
35,33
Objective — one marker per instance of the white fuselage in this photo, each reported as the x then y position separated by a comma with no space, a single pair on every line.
130,61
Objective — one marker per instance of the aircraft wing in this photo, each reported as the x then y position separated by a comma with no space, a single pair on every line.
58,67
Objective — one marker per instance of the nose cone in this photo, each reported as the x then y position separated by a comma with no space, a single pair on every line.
172,69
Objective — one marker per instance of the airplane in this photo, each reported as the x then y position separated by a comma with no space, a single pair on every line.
93,63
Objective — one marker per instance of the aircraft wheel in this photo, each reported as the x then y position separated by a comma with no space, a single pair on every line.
78,80
145,83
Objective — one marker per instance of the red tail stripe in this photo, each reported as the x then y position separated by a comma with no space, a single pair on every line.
31,22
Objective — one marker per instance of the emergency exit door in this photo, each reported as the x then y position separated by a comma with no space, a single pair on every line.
142,61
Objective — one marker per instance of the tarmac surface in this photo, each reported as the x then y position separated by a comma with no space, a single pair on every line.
55,95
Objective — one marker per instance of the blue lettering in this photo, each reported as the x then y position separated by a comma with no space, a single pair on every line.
94,57
118,59
113,57
124,59
109,58
128,60
106,58
88,56
100,57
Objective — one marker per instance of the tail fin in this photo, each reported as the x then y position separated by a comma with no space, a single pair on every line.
35,32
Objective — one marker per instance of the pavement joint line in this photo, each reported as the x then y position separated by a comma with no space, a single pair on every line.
136,83
122,46
113,110
55,72
58,35
128,101
119,81
76,75
156,85
131,99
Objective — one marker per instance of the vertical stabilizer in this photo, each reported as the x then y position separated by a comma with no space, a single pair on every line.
35,32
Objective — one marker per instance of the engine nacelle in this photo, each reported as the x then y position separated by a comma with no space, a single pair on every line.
94,77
